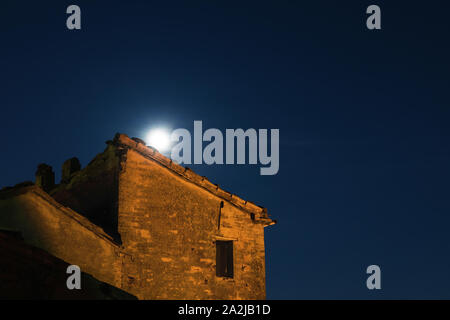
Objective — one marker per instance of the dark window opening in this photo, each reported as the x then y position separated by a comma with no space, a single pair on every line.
224,259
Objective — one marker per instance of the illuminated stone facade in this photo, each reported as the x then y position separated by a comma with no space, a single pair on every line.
136,220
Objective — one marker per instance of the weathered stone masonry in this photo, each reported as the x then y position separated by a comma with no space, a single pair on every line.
161,224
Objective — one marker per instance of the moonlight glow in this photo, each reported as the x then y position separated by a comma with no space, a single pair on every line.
159,139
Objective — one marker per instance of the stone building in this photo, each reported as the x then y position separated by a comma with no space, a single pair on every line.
134,219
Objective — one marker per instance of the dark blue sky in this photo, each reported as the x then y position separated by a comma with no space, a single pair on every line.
363,118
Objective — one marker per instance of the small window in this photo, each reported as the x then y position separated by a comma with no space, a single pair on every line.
224,259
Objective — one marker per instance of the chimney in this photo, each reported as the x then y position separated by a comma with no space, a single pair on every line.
70,167
45,178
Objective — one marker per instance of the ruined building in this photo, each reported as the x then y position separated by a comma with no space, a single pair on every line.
136,221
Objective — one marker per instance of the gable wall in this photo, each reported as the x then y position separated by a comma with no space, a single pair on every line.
169,225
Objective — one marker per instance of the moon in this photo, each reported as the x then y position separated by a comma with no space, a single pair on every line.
159,139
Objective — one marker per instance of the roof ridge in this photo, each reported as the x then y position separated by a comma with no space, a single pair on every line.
188,174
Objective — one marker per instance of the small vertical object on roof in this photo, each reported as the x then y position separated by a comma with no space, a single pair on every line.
45,177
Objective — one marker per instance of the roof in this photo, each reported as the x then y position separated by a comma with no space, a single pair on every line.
37,191
189,175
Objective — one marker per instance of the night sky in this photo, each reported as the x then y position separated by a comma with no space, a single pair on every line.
363,118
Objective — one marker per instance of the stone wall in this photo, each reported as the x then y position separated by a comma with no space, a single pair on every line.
144,224
45,224
170,226
92,191
27,272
